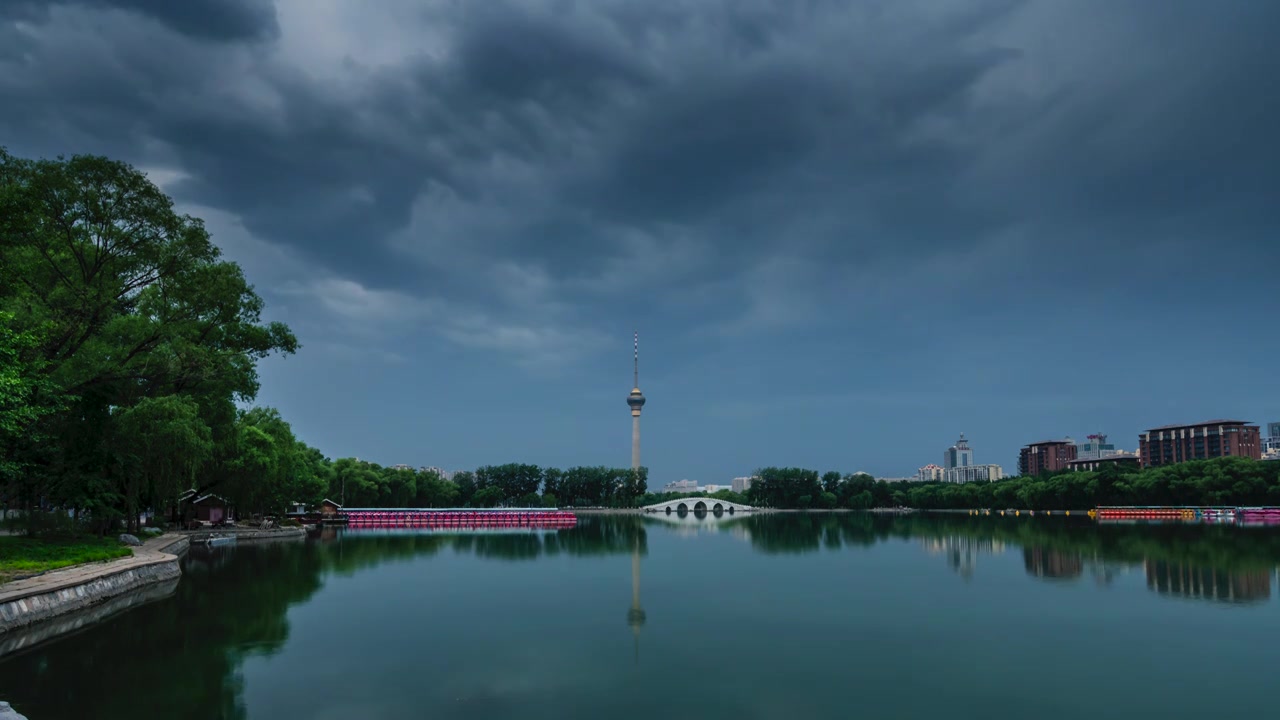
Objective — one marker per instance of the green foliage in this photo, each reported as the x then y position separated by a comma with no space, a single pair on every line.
125,343
23,556
25,394
1222,481
159,443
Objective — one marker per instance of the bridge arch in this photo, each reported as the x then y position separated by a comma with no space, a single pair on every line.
698,504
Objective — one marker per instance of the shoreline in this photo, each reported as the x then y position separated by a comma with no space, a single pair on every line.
41,607
43,597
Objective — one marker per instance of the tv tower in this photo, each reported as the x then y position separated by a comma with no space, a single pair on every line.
636,401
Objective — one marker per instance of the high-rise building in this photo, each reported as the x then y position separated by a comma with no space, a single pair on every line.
681,486
931,473
635,400
742,484
1122,460
1094,448
974,473
1046,456
1271,443
1215,438
958,455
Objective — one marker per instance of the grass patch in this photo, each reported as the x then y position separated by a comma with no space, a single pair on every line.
25,556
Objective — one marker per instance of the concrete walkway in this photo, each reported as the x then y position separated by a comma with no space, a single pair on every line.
150,553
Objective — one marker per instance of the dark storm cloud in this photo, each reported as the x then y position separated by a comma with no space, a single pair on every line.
555,135
208,19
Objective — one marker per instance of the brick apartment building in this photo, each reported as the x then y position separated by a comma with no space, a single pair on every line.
1215,438
1046,456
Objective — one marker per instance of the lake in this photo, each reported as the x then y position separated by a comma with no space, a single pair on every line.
767,616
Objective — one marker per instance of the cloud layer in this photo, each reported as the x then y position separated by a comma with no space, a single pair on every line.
525,182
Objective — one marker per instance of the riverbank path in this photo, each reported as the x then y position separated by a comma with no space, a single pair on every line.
151,551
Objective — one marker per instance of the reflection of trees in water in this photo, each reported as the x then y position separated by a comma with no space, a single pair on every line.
231,603
1045,562
1175,578
347,551
1228,562
181,655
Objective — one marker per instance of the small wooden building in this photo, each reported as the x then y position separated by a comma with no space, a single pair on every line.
210,509
329,509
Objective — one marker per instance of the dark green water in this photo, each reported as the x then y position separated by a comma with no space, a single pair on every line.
784,616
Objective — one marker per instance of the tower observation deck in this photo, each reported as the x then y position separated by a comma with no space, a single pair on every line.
635,400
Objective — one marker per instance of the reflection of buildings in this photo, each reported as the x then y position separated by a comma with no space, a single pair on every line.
1174,578
1046,563
1104,572
962,551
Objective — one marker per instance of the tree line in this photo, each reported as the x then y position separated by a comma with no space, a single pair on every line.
1220,481
128,354
356,483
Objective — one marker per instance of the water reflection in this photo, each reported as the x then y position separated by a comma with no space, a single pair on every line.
962,551
1042,562
1201,583
233,604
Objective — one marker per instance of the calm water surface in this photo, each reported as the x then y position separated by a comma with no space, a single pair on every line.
782,616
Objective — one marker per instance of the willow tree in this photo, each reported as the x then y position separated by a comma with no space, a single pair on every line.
160,443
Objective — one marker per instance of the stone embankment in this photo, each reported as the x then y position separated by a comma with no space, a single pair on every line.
245,534
43,597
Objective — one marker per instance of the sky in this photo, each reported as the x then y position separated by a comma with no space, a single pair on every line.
845,231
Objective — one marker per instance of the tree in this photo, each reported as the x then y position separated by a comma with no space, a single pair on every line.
115,299
466,484
25,395
160,442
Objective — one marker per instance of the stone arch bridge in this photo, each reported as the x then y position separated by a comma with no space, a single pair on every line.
698,504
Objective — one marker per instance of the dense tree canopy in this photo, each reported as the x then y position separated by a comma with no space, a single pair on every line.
363,484
1223,481
125,344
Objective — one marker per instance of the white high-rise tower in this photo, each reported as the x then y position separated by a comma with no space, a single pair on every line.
636,401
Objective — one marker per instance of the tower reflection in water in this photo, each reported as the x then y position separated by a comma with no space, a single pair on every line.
636,616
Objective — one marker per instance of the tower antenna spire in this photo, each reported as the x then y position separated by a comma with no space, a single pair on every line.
637,362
